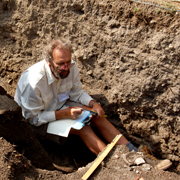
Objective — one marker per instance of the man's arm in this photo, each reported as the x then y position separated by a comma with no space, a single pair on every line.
68,113
77,94
91,103
32,106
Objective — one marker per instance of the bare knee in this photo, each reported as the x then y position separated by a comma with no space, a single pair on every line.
99,121
83,131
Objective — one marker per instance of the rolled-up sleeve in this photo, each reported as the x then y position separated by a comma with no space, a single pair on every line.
43,118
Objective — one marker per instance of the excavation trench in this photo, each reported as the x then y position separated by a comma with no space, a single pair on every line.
128,55
44,154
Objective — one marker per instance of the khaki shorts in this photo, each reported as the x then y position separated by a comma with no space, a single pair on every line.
41,131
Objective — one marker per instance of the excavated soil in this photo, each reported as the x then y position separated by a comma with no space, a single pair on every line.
128,54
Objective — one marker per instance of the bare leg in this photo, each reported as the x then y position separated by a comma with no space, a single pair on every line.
107,130
91,140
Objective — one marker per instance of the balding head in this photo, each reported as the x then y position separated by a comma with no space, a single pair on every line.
55,44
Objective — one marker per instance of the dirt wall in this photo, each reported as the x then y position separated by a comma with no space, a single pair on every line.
128,55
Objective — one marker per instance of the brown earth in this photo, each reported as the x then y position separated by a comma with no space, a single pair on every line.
128,54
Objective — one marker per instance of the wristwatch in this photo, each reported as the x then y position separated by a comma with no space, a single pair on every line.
94,103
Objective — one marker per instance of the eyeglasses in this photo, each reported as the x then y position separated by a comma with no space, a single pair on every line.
63,65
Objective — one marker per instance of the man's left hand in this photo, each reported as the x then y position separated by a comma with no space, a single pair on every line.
97,108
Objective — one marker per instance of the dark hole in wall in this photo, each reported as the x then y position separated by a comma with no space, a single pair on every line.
73,153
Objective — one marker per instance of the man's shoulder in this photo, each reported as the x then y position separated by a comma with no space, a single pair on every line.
38,68
74,68
34,73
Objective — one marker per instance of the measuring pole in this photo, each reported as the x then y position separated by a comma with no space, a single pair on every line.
100,158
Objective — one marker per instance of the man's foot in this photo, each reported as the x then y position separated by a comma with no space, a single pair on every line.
160,164
153,161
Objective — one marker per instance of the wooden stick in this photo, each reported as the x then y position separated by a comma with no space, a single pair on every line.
100,158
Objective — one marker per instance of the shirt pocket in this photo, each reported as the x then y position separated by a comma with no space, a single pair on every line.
65,88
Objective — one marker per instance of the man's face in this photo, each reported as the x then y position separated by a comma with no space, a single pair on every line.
61,62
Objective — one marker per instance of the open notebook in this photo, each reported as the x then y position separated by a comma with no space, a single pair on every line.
62,127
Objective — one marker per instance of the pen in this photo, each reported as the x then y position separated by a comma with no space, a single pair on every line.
95,113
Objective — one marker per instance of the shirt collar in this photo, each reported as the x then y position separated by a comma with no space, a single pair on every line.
49,74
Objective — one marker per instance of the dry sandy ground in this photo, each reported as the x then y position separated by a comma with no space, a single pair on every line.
128,54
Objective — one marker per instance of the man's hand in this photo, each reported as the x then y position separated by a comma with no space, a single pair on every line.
68,113
75,112
97,108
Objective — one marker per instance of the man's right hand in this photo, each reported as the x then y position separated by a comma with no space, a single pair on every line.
68,113
75,112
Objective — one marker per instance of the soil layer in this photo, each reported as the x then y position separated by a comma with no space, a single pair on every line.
128,54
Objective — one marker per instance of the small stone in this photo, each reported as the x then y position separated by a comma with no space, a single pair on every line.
146,167
171,46
116,156
90,72
152,21
139,161
10,81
